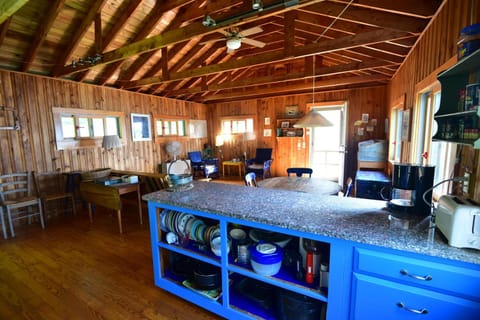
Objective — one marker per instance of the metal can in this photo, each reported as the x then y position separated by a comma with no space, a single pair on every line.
472,92
243,252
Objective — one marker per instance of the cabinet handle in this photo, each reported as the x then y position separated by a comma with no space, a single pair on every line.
423,278
416,311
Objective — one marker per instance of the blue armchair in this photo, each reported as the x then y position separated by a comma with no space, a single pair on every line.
261,163
204,167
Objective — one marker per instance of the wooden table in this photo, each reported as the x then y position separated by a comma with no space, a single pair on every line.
302,184
109,197
239,164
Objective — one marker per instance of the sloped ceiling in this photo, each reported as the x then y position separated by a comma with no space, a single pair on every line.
167,48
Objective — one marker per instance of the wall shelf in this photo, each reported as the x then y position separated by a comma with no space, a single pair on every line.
455,123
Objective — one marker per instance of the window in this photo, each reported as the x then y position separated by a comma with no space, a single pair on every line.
237,125
395,150
170,127
85,128
441,154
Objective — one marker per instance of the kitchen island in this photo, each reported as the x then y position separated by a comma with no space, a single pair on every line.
367,259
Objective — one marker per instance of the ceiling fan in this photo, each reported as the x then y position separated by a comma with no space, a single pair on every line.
234,38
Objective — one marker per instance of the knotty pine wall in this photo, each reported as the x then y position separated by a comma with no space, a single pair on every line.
434,49
33,146
359,101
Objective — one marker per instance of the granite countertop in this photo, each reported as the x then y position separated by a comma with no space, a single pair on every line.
354,219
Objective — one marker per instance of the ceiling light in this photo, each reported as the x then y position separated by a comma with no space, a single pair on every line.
257,5
234,43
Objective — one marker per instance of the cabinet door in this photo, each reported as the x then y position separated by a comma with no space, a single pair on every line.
375,298
291,152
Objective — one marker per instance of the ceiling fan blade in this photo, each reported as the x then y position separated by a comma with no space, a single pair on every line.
253,42
249,32
211,41
225,33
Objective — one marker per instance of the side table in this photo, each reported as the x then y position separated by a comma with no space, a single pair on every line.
239,164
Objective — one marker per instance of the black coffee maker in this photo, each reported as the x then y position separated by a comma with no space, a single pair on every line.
409,183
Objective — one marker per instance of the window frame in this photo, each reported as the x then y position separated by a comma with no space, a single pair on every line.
77,141
426,93
170,119
395,130
238,118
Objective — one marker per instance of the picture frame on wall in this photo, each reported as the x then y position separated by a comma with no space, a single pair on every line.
285,124
141,127
291,110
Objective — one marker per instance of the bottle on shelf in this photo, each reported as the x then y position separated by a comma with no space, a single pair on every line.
461,129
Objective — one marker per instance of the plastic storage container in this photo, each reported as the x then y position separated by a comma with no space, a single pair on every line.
372,150
469,40
266,258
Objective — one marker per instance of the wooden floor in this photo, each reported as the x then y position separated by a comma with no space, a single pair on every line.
74,270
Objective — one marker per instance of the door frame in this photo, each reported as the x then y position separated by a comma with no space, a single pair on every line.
329,105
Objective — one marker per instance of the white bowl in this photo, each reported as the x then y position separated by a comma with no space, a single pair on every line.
216,246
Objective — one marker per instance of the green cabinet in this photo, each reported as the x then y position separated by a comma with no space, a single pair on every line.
456,120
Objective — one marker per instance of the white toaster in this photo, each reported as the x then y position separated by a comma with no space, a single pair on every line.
459,221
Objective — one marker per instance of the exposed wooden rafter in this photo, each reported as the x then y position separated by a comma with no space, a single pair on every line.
168,48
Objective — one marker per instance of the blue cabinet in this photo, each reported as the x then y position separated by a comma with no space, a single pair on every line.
388,285
229,302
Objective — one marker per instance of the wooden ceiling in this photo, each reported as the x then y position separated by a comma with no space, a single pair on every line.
166,48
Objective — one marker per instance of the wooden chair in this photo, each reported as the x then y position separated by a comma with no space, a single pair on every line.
51,186
251,179
300,171
2,221
15,195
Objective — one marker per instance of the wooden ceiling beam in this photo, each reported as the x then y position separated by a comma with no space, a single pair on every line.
9,7
81,30
245,94
41,33
269,57
187,32
371,17
153,20
3,29
415,8
270,79
150,22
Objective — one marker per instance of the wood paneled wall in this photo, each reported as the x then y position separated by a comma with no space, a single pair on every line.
33,146
368,100
437,46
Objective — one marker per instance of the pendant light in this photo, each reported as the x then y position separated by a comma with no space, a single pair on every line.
313,119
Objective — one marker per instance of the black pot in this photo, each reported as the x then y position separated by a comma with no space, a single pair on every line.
206,276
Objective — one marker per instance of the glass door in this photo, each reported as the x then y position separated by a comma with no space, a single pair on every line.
327,144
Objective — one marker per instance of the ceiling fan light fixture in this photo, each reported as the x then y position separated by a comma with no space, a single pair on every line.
257,5
233,43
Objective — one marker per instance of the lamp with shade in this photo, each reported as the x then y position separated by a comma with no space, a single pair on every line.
110,142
